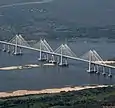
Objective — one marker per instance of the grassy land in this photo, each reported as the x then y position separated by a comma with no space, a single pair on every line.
89,98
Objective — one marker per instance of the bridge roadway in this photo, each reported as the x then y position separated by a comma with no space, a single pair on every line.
53,53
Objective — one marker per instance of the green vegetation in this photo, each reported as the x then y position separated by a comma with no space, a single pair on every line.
90,98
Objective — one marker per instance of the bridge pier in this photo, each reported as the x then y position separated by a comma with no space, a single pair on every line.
0,46
103,69
8,49
58,59
41,58
61,61
47,57
97,71
89,64
110,74
94,68
20,50
89,67
13,47
52,60
4,48
66,62
15,50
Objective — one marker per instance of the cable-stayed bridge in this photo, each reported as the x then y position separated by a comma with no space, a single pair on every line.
63,52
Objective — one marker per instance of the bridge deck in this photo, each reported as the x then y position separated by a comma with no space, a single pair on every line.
53,53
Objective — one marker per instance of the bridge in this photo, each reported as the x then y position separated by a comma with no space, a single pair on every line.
58,56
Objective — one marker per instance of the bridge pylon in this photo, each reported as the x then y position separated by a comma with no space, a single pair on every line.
88,56
52,58
64,51
61,61
16,46
92,58
18,41
44,48
60,51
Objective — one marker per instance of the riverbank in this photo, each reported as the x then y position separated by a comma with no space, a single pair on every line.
49,91
91,96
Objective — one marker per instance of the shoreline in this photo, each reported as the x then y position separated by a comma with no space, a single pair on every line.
49,91
27,66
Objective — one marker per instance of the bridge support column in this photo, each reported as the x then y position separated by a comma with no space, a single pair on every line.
89,66
0,47
40,56
13,47
20,51
66,62
4,47
16,48
52,59
44,57
97,71
103,69
110,74
61,59
94,68
58,60
8,49
47,57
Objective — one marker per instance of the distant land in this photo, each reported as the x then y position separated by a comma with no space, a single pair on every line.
58,19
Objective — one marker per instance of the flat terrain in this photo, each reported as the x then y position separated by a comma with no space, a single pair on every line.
88,98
